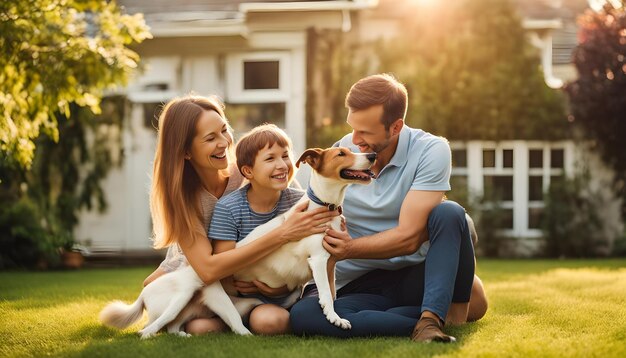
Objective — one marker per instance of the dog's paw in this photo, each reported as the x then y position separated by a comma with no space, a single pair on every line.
243,331
183,334
338,321
146,334
325,306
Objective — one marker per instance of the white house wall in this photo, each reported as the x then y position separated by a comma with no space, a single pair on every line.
170,71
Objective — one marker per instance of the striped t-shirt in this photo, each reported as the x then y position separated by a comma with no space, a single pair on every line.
233,219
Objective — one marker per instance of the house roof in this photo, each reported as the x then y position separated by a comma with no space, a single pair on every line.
169,18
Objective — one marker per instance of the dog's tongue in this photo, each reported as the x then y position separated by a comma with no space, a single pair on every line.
360,173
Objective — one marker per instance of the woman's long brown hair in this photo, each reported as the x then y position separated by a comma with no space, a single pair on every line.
174,203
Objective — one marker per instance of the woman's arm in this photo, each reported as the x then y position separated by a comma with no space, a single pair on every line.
244,286
211,268
154,275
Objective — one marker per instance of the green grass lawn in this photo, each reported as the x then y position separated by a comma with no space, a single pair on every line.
538,308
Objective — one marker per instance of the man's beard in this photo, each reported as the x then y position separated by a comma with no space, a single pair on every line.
379,147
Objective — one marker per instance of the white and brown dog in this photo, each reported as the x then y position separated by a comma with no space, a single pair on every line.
174,299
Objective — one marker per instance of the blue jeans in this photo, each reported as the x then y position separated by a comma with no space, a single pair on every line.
389,303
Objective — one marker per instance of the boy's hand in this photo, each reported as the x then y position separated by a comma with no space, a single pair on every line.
259,287
303,223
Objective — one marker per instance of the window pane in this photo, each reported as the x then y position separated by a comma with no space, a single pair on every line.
535,216
556,158
535,158
459,158
243,117
505,219
557,180
260,75
500,186
507,158
489,158
151,113
535,188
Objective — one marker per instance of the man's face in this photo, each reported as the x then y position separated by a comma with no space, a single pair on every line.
368,133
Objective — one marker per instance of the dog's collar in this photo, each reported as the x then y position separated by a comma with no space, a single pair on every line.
318,201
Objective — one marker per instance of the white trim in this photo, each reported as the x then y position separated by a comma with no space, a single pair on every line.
542,24
152,97
307,6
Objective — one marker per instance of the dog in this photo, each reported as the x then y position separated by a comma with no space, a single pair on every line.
175,298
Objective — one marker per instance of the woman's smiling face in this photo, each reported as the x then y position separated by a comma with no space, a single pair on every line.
210,145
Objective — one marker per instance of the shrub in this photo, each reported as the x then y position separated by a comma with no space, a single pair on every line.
572,224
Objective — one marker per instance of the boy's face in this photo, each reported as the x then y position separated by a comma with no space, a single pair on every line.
272,168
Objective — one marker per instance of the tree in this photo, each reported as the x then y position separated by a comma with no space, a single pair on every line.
55,53
598,96
472,74
58,135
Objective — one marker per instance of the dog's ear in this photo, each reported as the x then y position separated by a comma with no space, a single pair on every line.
312,157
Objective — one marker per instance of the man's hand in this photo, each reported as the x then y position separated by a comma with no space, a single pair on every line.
338,244
260,287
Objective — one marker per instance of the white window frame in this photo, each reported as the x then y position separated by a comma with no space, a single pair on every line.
521,172
235,78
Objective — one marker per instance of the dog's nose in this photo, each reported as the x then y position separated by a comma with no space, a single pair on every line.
371,157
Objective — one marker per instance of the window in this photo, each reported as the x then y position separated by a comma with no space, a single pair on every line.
151,113
507,158
260,75
535,188
505,219
489,158
535,216
535,158
557,158
459,158
501,186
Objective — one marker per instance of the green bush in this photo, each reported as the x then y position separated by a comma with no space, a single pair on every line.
24,243
571,223
490,220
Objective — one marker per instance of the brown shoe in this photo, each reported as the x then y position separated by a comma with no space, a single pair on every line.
429,329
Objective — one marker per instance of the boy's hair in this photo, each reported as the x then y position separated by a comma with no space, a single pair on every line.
379,89
258,138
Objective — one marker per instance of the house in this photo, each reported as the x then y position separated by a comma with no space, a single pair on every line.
255,55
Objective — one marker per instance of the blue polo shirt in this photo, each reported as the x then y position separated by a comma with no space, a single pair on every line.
422,161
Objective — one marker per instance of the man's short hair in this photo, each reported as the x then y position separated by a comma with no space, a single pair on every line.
379,89
258,138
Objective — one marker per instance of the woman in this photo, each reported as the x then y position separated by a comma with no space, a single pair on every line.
193,167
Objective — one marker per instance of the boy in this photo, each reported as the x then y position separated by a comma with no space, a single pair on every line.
264,158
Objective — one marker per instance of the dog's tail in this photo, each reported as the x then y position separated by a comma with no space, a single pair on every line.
120,315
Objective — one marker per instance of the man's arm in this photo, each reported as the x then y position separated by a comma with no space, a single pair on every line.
404,239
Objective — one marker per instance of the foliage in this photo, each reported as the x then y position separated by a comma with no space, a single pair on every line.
490,220
43,202
598,96
335,61
55,53
22,240
468,65
55,313
572,224
472,74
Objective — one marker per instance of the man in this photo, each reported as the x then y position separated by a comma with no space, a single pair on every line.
406,263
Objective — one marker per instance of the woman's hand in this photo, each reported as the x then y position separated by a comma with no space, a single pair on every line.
259,287
303,223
